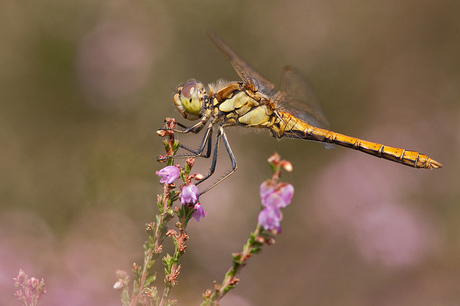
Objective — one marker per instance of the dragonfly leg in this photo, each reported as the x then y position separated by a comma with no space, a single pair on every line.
181,125
220,134
205,142
177,123
196,128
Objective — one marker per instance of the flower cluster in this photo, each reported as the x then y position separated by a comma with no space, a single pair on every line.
274,197
30,289
189,192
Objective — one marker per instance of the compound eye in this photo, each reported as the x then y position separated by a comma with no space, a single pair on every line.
191,98
188,90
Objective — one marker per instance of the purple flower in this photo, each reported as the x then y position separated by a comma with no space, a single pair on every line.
189,194
270,218
266,188
286,192
168,174
274,199
199,212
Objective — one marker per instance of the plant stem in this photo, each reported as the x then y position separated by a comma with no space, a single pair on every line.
253,246
156,250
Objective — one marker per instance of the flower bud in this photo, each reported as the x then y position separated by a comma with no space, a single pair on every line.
118,285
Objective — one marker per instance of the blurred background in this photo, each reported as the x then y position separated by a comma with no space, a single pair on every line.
84,85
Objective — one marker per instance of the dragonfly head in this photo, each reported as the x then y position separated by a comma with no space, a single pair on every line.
190,98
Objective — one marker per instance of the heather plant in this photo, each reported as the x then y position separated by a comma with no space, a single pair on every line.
274,196
29,290
142,289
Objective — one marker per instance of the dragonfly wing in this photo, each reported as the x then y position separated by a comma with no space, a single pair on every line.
248,74
297,97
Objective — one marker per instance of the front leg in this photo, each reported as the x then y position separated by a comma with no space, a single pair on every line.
205,142
196,128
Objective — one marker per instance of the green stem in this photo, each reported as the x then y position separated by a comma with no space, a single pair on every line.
155,251
252,246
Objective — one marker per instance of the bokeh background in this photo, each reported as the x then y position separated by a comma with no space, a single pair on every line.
84,85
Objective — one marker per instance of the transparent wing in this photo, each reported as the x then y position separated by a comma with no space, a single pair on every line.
248,74
298,98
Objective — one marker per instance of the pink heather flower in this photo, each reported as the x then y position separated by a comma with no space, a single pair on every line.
275,199
168,174
189,194
199,212
30,290
270,219
272,200
266,188
286,192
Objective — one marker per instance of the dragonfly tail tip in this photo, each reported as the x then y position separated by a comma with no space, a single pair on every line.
434,164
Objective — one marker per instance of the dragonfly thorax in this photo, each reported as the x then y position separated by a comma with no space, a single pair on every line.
190,98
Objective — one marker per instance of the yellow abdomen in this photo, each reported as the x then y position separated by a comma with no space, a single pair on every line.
291,126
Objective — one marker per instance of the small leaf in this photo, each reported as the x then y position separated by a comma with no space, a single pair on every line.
150,280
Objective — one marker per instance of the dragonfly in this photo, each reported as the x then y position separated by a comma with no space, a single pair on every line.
292,112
